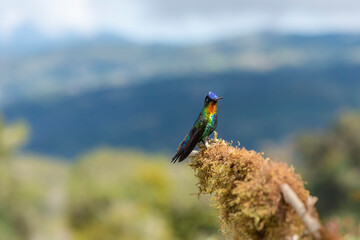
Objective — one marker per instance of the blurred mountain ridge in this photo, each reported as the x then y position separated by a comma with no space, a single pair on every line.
34,66
156,114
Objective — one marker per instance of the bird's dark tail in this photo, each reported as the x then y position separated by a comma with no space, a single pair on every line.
183,152
180,155
189,143
177,156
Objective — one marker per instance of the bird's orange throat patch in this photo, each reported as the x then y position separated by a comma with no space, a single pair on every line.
212,108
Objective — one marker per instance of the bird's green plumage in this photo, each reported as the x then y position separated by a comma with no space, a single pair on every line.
208,117
204,125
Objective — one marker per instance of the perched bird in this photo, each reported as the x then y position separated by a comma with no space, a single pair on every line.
204,125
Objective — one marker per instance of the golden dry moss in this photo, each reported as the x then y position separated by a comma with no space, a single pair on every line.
246,191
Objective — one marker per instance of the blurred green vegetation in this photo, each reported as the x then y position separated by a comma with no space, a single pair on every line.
331,165
13,224
105,195
130,195
120,194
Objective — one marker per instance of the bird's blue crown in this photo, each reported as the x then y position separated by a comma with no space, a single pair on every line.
212,96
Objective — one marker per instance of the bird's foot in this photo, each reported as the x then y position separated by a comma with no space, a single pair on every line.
207,145
193,153
215,136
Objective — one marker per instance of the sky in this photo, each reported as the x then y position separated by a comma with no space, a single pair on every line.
177,20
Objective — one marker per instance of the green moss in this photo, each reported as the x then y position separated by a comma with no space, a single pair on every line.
132,195
245,188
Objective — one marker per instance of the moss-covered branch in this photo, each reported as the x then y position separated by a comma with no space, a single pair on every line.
246,190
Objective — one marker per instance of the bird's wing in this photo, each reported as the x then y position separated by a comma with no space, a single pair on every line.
189,142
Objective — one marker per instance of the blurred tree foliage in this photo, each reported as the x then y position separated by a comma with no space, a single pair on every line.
128,195
29,190
105,195
13,224
112,194
331,165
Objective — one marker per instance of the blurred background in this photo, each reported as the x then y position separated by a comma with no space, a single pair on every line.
96,95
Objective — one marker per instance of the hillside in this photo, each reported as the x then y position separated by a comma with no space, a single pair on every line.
157,114
80,65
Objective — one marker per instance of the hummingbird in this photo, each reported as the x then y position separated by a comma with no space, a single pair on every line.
204,125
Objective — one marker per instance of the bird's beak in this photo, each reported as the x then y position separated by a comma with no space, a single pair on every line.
219,98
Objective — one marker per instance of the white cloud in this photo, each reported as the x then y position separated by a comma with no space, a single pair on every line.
176,20
9,21
51,17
